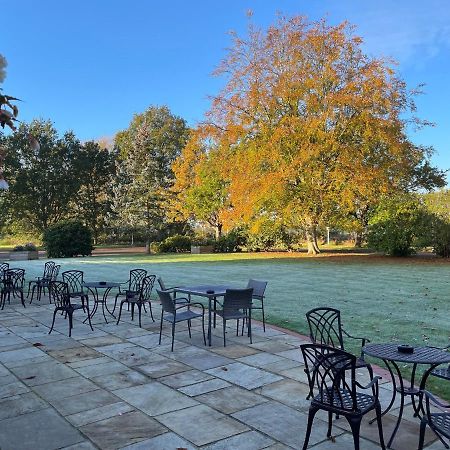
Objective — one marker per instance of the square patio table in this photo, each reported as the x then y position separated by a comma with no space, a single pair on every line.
209,291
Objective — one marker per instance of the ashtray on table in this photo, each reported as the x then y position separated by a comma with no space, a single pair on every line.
210,291
405,349
102,283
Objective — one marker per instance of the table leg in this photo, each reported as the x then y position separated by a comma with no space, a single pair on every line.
94,309
105,296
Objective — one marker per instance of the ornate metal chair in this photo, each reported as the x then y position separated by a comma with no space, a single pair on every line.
60,293
41,283
236,305
132,286
139,298
437,417
13,281
74,280
171,313
259,288
331,377
325,327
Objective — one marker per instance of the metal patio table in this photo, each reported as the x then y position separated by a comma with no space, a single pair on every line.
209,291
94,287
420,356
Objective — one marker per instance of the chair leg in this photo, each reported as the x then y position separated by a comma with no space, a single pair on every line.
423,425
203,327
53,323
380,425
355,425
140,312
173,334
224,322
120,313
70,323
263,315
311,414
32,292
330,424
132,311
89,317
151,312
189,329
250,325
160,327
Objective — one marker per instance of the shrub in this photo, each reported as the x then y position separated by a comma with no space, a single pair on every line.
231,242
28,247
175,244
68,238
397,226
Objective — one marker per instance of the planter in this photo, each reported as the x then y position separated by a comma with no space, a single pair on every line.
22,256
197,249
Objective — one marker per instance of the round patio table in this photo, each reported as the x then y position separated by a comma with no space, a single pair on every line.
390,355
94,287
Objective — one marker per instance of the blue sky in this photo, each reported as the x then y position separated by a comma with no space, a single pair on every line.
89,65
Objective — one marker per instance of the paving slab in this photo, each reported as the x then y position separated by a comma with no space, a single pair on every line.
289,392
244,376
44,372
204,387
201,424
166,441
122,430
16,405
282,423
125,379
64,388
100,413
162,367
185,378
251,440
38,430
155,398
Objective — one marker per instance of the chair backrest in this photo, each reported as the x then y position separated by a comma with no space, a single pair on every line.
3,267
59,293
238,299
146,289
259,287
74,280
161,284
13,279
48,270
330,372
167,302
325,327
136,278
55,272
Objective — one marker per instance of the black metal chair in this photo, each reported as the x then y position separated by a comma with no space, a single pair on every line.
60,293
437,417
132,286
237,305
171,313
12,285
325,327
259,288
171,290
74,280
41,283
331,377
140,298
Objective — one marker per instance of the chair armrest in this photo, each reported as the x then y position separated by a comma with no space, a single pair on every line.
188,305
429,396
362,339
373,382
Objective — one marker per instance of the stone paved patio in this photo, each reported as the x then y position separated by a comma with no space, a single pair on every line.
116,388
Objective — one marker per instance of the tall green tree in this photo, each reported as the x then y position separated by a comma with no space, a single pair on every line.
92,204
43,180
147,150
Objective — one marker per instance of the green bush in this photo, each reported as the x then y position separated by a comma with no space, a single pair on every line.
68,238
440,236
175,244
231,242
398,226
270,235
28,247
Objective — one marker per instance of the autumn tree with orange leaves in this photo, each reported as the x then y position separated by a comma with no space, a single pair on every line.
308,131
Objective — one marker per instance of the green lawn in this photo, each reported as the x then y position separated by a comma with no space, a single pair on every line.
385,299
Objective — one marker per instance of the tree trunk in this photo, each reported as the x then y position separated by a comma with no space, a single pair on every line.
311,238
218,231
358,239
